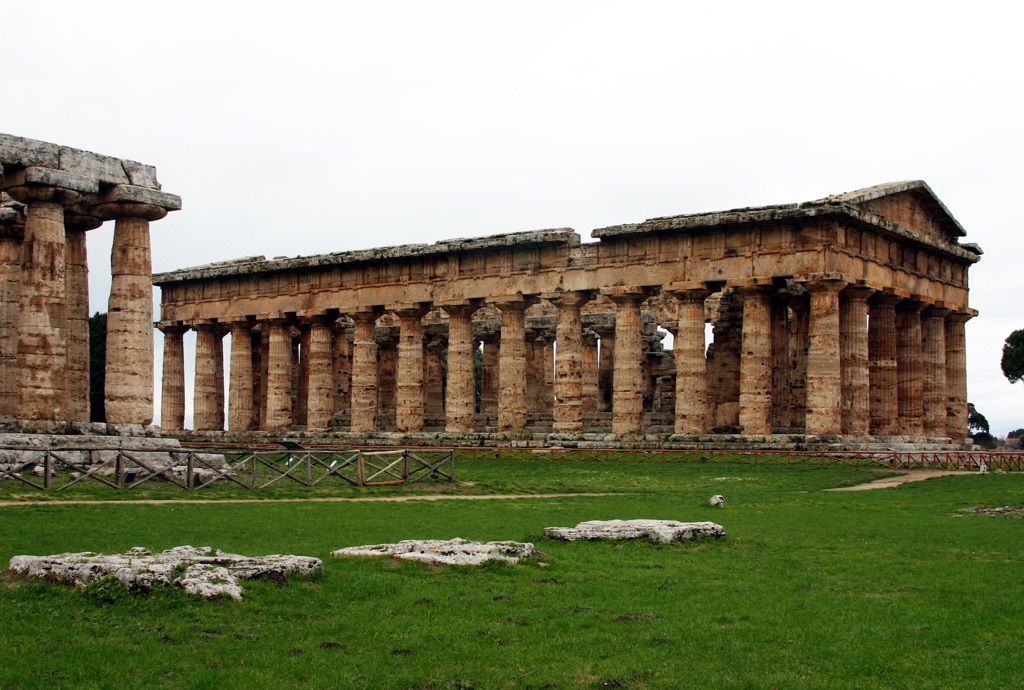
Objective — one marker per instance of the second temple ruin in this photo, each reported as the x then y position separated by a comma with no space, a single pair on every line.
836,320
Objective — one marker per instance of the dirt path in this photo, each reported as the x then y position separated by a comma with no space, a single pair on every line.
891,482
319,499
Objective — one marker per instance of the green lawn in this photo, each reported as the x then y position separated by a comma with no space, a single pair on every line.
876,589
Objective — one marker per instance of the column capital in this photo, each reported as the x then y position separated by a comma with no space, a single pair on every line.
412,310
519,303
913,304
829,281
79,218
460,307
962,316
171,327
129,201
627,294
857,293
365,314
689,291
569,298
45,184
936,312
885,299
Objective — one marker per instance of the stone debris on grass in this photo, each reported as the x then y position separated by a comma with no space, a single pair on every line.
445,552
203,570
658,531
1002,511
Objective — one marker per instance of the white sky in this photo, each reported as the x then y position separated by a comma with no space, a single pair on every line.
310,127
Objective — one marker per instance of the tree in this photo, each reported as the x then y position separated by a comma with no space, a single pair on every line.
1016,433
97,366
978,426
1012,362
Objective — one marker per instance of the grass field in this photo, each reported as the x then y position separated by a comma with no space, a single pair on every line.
874,589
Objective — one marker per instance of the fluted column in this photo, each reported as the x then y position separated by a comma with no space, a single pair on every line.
342,368
409,384
512,365
433,377
691,363
77,292
279,376
605,367
568,410
460,401
756,360
240,388
42,319
935,394
205,406
853,354
909,369
129,370
627,396
490,373
824,382
956,374
172,396
591,393
882,356
364,371
12,220
320,373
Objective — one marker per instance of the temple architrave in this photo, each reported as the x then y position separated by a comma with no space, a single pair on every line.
51,196
839,320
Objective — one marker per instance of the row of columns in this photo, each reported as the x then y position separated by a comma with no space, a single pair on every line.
874,363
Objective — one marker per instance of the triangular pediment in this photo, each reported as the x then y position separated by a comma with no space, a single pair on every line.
911,204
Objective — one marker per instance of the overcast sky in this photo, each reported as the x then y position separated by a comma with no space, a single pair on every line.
304,127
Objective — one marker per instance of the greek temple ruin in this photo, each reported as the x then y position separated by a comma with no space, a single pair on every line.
50,196
835,320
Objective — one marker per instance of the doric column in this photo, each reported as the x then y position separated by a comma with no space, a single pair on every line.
853,355
956,374
799,309
824,382
77,292
387,378
627,396
364,370
691,363
206,409
409,382
342,367
320,374
300,372
756,360
460,401
279,376
591,393
129,370
909,370
172,396
512,366
434,344
42,321
535,343
490,365
882,356
568,410
240,388
605,367
12,222
935,394
218,377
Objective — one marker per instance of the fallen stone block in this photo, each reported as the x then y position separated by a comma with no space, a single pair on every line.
205,571
658,531
450,552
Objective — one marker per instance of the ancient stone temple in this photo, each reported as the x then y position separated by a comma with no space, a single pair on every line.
51,196
837,320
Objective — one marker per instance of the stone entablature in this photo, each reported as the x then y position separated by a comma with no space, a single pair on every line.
51,196
790,291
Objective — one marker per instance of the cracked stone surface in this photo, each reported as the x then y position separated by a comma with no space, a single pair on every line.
445,552
203,570
658,531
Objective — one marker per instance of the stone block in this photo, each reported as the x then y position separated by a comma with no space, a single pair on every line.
659,531
445,552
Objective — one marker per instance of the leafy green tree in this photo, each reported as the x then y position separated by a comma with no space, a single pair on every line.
97,365
1012,362
979,428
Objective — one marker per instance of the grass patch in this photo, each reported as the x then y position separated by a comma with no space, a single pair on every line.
875,589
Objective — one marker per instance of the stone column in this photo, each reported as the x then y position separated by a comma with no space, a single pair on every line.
909,370
824,382
205,405
11,229
342,368
320,385
409,382
434,346
279,376
935,395
627,396
568,410
882,356
605,368
172,397
691,364
129,370
240,388
756,360
364,371
535,343
42,319
956,374
591,393
77,292
300,372
218,378
853,355
460,402
490,374
800,309
512,365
